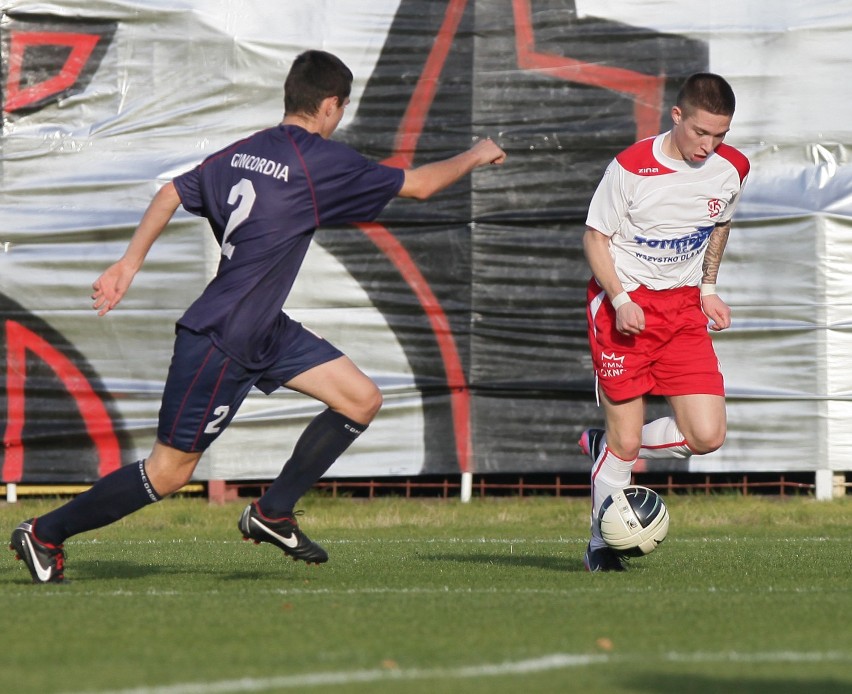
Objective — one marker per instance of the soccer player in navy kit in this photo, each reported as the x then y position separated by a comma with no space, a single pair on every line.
657,227
263,196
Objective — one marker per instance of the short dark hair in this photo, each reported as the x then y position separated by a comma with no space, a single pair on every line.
707,92
313,77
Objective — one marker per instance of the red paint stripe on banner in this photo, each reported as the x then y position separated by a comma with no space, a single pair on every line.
414,118
16,374
81,46
647,90
95,416
456,381
408,135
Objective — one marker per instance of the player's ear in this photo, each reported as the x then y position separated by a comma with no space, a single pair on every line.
677,115
329,106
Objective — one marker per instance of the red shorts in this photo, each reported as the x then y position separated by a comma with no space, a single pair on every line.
673,355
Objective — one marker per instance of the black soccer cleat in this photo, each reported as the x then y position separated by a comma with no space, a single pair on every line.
591,443
46,562
603,559
284,533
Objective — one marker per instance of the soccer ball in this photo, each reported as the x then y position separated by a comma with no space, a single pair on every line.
634,521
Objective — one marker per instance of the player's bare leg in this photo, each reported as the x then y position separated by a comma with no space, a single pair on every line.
342,386
697,426
170,469
624,420
702,419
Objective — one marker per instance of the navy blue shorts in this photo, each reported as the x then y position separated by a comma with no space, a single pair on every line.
205,387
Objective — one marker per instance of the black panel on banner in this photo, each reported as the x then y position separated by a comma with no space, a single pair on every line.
59,423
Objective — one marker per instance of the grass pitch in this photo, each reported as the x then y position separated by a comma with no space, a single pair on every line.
746,596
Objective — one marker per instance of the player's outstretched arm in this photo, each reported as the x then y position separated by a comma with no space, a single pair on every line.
424,181
111,286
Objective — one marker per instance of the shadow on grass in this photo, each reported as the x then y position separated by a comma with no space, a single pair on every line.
548,562
113,568
526,561
701,684
87,570
90,569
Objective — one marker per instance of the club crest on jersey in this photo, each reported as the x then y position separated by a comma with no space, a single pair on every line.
611,365
714,207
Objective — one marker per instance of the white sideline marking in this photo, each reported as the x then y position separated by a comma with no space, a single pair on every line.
555,661
248,684
415,591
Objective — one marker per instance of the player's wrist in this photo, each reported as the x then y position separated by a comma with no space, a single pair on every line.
620,299
708,289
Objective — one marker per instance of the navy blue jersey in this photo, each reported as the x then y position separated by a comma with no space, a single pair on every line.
264,197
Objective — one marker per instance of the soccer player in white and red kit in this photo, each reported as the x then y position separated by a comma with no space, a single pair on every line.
656,230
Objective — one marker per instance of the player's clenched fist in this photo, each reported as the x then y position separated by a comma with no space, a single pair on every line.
489,151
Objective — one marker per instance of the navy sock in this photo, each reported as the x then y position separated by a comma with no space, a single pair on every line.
322,442
115,496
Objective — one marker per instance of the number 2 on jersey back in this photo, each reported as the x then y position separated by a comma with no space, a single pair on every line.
244,193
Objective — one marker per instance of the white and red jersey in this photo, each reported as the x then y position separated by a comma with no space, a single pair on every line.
659,211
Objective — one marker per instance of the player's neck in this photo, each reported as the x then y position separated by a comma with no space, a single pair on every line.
312,125
668,148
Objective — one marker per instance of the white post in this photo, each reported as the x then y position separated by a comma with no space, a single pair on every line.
824,485
12,493
466,486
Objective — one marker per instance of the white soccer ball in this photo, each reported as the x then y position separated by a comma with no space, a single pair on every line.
634,521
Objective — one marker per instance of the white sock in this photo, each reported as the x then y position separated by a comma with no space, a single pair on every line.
662,439
609,475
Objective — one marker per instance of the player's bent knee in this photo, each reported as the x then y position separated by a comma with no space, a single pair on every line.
169,469
627,453
365,406
373,404
624,448
706,442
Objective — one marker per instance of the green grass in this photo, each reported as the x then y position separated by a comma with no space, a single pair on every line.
746,596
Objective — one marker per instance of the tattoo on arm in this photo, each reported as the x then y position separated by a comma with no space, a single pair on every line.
713,255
